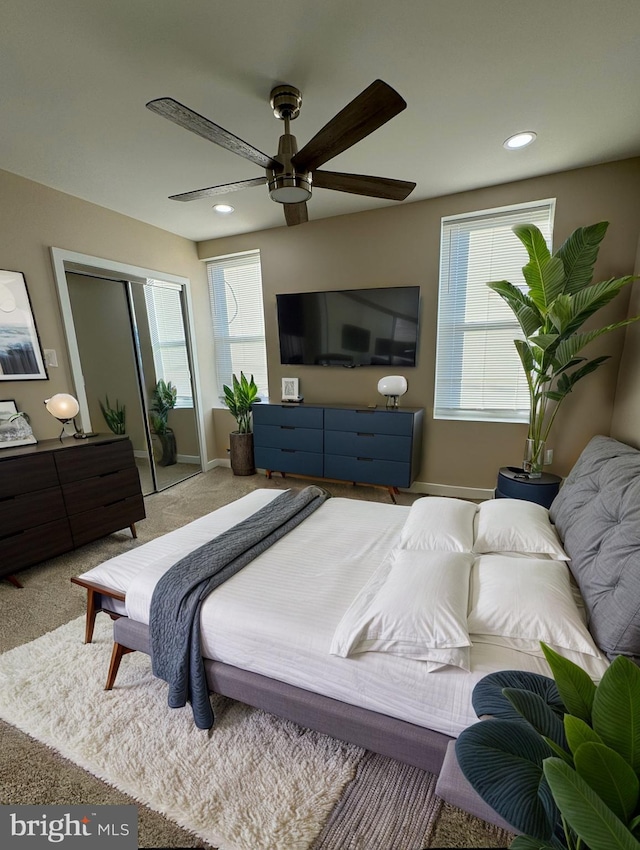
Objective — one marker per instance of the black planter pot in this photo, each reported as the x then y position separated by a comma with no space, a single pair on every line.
167,454
241,453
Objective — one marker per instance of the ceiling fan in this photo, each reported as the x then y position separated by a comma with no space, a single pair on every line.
292,173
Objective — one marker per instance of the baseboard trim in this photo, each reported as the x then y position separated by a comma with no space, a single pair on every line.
450,490
218,461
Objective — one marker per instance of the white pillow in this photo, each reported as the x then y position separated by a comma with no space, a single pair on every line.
514,525
439,523
521,602
415,605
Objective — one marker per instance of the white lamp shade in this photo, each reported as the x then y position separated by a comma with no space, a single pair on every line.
63,406
393,385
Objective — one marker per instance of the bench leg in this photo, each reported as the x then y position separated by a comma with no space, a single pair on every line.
116,657
14,581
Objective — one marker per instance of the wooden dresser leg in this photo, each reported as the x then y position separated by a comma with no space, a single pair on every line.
14,581
134,533
392,493
116,657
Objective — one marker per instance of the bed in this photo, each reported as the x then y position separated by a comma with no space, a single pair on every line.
373,622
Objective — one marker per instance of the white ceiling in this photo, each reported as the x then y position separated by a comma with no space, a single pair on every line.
76,75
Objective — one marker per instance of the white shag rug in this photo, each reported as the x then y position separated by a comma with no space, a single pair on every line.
255,783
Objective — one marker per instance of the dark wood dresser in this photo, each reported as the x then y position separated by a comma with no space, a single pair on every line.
58,495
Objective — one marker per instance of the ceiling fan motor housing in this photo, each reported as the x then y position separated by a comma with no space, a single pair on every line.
288,186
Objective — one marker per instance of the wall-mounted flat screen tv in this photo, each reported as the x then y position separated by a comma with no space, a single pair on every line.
350,327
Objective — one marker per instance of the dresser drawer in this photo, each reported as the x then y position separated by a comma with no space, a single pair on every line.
90,525
283,460
363,444
365,470
33,545
102,490
26,474
370,421
88,461
287,414
30,509
289,437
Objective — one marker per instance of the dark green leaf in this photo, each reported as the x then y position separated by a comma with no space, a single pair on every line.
584,811
523,307
525,842
616,710
613,780
558,751
502,760
538,713
488,697
574,685
578,732
579,253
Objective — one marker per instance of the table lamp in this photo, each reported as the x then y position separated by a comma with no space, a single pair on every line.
64,407
392,387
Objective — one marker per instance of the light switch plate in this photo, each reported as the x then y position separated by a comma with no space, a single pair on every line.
50,357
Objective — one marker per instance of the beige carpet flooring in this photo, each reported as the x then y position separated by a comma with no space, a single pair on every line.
32,773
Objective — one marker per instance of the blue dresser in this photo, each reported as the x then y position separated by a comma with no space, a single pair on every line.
346,443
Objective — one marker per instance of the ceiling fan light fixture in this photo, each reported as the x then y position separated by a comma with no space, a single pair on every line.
294,189
520,140
224,209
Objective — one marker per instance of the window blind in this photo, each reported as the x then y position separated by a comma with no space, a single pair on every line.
235,291
479,375
166,327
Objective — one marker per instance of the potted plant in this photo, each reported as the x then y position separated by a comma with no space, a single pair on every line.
164,400
115,417
239,398
559,299
559,760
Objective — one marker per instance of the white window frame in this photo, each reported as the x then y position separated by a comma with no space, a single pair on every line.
249,303
462,391
163,343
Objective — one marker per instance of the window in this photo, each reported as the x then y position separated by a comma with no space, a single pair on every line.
170,357
478,372
235,290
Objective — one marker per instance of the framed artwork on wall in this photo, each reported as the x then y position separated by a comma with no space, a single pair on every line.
290,388
20,353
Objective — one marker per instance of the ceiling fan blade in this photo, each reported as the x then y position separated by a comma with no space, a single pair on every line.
223,189
296,213
363,184
201,126
372,108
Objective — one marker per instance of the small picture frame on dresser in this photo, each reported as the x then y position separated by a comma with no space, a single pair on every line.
14,427
290,389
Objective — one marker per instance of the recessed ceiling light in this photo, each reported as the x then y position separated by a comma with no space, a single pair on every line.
224,209
519,140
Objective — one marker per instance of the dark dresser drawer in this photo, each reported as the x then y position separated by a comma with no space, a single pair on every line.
365,470
88,461
30,509
33,545
287,414
283,460
102,490
26,474
90,525
381,446
370,421
289,437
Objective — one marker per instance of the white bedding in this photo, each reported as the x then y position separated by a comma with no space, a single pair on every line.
278,615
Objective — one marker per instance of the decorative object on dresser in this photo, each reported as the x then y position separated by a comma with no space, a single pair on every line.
14,426
291,389
343,442
392,387
20,353
64,408
239,398
560,297
56,496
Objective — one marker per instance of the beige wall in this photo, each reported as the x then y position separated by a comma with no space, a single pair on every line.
625,424
399,245
34,218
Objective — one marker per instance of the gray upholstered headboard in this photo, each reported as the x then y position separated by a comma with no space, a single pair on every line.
597,513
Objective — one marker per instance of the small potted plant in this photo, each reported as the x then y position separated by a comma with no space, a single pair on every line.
239,398
164,400
559,299
115,417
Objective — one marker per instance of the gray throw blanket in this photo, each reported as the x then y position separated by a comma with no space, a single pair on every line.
174,623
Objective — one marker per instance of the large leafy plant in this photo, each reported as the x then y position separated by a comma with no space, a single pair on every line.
115,417
559,760
164,399
560,297
239,397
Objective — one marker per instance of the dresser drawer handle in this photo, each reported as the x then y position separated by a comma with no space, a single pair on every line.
364,434
289,451
365,411
107,474
367,459
288,427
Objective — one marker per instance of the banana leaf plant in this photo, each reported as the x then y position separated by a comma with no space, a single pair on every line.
559,759
559,299
239,398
